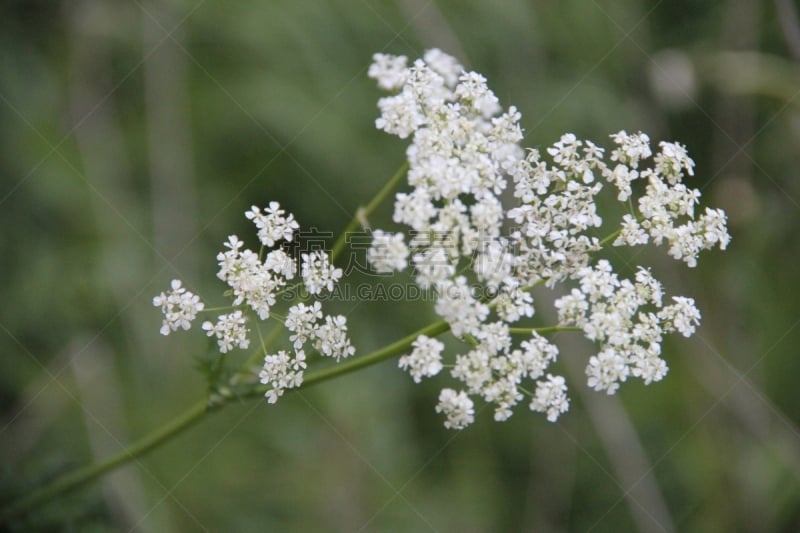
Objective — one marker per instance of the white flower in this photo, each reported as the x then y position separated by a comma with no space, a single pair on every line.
273,225
445,65
400,114
425,360
572,308
494,337
486,217
494,264
463,149
550,397
606,371
712,228
331,338
621,177
473,91
230,331
318,273
569,155
504,394
253,282
682,316
672,160
414,209
432,267
631,233
179,306
631,148
229,261
388,252
473,369
648,287
458,307
388,70
536,355
512,303
281,263
457,407
282,372
599,281
648,366
302,321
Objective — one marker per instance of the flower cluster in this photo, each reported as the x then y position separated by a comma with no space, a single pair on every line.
464,152
179,306
255,281
628,321
388,252
482,257
425,359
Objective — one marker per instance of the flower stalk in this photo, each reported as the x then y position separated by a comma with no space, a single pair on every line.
360,218
200,410
192,416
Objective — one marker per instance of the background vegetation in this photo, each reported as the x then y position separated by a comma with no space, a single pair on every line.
135,134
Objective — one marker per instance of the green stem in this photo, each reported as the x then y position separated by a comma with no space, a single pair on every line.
396,348
614,235
91,472
547,329
363,212
258,354
610,238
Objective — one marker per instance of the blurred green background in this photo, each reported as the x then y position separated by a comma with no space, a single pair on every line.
133,135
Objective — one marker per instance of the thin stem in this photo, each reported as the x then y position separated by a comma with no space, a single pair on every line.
363,212
217,309
546,329
258,355
610,238
91,472
387,352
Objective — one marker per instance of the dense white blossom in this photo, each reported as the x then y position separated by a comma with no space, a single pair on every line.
331,338
281,264
281,372
388,252
252,281
457,305
255,281
682,316
483,258
550,397
457,407
536,355
273,224
230,331
179,307
672,161
631,149
606,371
303,321
425,360
631,233
389,71
318,273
